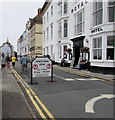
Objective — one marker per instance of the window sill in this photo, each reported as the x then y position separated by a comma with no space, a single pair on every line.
97,61
110,61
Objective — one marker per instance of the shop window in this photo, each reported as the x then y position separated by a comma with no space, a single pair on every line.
110,47
111,11
97,12
97,48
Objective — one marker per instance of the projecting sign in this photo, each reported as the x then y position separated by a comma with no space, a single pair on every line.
41,67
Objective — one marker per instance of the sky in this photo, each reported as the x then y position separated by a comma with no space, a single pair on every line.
14,16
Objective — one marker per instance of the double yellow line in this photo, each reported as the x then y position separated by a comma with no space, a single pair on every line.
34,97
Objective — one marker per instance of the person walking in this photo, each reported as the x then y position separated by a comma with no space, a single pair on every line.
24,61
3,63
13,61
8,60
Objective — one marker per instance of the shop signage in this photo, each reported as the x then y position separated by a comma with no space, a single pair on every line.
96,30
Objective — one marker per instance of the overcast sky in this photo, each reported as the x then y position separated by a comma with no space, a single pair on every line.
13,18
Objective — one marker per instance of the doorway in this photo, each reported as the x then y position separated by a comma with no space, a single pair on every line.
77,55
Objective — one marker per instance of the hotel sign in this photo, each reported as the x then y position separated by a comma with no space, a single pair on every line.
78,6
99,29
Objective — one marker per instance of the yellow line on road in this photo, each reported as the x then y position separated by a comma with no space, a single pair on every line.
35,104
34,95
31,97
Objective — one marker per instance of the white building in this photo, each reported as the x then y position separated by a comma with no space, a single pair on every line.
27,39
7,49
18,47
23,43
84,26
56,29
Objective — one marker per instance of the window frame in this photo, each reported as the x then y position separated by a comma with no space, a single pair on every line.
65,8
78,23
96,13
60,9
65,29
97,48
51,30
52,10
59,29
108,7
110,47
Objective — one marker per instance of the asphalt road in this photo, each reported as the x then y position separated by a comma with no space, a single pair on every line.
73,96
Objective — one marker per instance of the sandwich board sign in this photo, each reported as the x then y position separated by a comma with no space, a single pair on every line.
41,67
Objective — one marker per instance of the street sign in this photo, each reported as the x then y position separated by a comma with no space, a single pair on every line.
41,67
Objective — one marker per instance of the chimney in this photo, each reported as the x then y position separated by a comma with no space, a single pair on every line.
39,11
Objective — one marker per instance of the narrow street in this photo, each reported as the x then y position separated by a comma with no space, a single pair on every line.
72,96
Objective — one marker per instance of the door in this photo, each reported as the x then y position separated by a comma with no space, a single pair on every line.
77,55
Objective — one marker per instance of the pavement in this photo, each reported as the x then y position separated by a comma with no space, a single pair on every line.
14,104
86,73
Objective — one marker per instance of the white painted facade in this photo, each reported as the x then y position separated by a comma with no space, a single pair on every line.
18,47
53,43
23,44
7,49
98,32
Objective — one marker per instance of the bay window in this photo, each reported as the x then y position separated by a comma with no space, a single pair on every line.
110,48
97,48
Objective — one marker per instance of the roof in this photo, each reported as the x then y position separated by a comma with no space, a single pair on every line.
37,19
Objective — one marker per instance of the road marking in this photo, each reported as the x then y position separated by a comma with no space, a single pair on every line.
82,74
89,105
69,79
87,79
28,90
58,77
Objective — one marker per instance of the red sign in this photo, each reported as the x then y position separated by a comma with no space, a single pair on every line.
48,66
35,67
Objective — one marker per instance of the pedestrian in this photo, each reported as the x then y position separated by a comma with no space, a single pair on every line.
8,60
24,61
3,63
62,64
13,61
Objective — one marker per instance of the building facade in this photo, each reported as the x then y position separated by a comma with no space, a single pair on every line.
7,49
56,29
93,24
83,26
35,29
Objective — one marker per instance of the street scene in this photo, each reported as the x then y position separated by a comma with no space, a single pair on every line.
59,64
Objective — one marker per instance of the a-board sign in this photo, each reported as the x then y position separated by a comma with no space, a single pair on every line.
41,67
